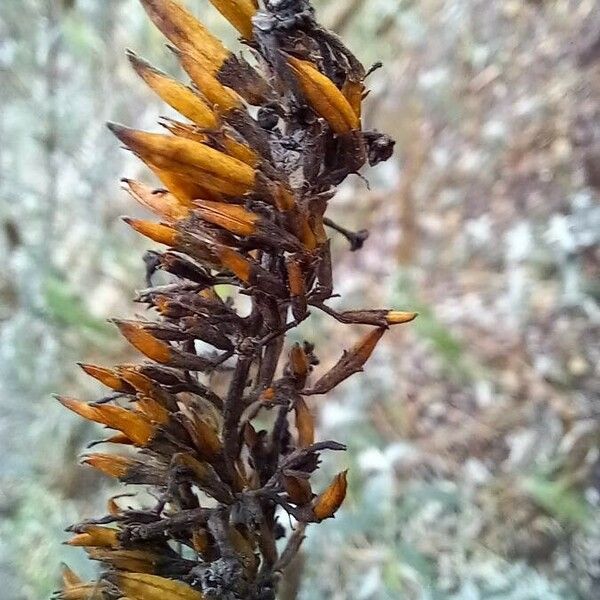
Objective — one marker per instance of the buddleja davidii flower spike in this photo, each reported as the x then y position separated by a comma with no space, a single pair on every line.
246,175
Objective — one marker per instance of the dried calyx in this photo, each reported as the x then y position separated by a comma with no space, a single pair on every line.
246,180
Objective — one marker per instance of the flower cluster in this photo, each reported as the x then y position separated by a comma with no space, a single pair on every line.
246,179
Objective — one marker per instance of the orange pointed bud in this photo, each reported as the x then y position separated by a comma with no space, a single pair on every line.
175,94
69,577
155,231
103,537
324,97
327,503
240,151
353,92
305,423
297,489
83,409
112,465
107,377
267,396
210,294
295,278
161,203
240,266
211,168
145,342
363,349
204,435
94,590
139,382
232,217
186,32
200,540
186,130
299,362
143,586
118,438
152,410
239,13
245,549
283,198
112,507
136,561
133,424
223,98
184,189
304,231
397,317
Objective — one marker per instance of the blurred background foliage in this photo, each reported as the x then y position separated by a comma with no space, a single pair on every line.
474,433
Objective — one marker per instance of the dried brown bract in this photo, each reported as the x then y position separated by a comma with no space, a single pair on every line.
246,182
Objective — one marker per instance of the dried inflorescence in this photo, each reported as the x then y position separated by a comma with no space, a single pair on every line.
247,179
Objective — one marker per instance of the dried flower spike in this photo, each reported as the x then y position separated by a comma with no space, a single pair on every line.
245,186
